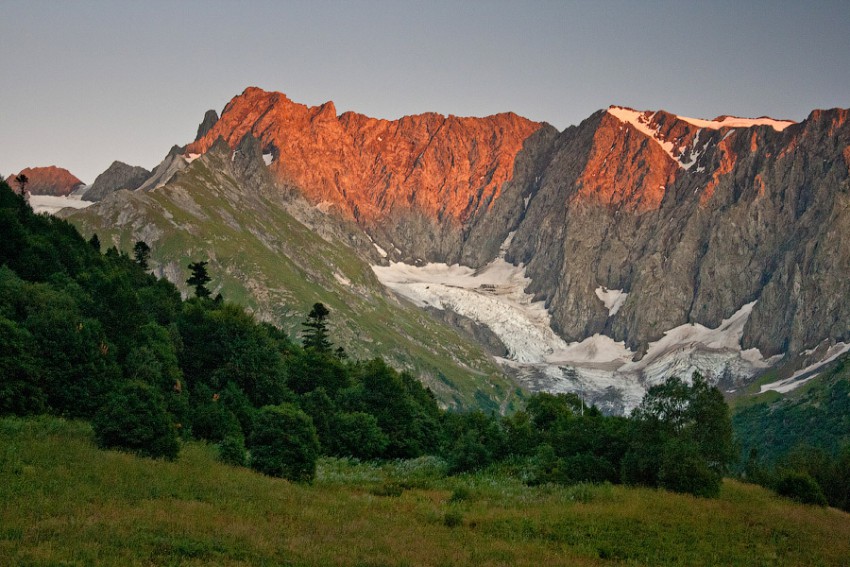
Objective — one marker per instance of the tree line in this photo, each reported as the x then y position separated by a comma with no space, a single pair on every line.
93,335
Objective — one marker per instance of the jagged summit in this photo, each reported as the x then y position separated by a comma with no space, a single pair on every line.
441,170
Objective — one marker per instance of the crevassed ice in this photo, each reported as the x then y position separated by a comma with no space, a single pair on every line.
495,296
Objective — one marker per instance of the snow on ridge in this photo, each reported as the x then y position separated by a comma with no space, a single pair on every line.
191,157
737,122
268,158
799,377
642,122
612,298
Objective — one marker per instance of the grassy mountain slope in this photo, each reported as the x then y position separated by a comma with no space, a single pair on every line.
262,257
67,503
816,414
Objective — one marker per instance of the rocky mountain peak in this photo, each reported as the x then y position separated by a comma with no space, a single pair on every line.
210,118
50,180
117,176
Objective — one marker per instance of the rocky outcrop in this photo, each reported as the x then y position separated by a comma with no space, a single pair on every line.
173,163
117,176
414,182
50,180
210,118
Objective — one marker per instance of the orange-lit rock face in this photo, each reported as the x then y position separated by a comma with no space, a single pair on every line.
727,159
445,167
49,180
624,171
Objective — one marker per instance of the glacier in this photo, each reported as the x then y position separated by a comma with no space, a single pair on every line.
599,369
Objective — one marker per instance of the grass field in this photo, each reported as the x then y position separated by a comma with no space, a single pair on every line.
64,502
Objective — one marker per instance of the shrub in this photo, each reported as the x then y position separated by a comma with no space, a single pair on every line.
284,443
684,470
231,451
358,435
801,487
134,418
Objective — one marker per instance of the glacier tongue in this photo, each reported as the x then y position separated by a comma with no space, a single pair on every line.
601,370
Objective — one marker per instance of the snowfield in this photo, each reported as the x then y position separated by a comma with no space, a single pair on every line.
600,369
51,204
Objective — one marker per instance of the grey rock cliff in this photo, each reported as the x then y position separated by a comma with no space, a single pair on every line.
117,176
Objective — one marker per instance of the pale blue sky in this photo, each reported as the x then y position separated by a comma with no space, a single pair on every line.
88,82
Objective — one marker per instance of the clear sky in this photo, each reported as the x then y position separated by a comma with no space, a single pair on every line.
86,82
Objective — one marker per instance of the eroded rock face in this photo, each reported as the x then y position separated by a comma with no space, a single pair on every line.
117,176
414,182
747,214
50,180
692,218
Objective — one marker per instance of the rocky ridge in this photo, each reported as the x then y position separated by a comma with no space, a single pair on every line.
413,183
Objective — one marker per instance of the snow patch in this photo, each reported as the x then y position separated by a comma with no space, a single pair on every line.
381,251
52,204
805,374
612,298
268,158
191,157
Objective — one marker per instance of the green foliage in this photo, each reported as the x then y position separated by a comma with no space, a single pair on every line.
134,419
818,416
357,435
801,487
681,438
231,451
20,390
284,443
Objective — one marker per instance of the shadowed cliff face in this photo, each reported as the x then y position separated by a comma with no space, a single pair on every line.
413,182
692,218
49,180
692,229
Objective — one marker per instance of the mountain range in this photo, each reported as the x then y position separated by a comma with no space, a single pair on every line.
599,259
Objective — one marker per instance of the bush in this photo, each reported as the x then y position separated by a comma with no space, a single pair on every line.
284,443
801,487
231,451
683,469
134,418
358,435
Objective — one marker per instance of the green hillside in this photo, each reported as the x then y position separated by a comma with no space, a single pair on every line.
817,414
67,503
264,259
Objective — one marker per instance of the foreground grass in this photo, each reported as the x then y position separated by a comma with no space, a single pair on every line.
64,502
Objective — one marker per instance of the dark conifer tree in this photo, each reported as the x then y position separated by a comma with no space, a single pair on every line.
315,334
142,253
199,279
